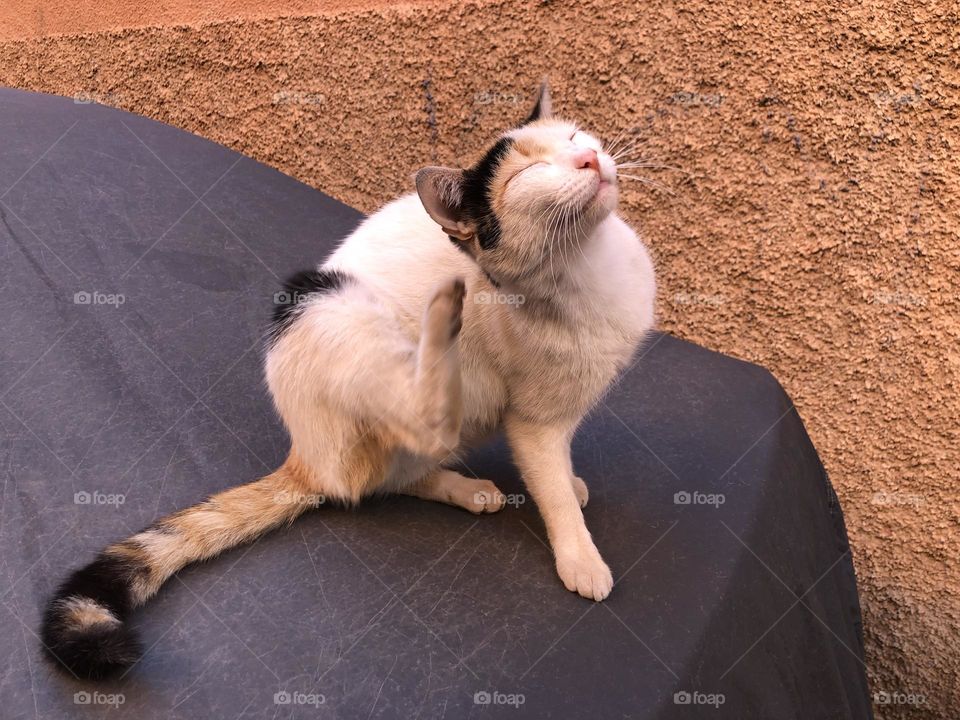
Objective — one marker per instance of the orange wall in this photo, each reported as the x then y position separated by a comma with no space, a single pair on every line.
37,18
815,230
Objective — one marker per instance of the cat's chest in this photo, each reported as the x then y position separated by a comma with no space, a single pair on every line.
563,366
559,374
589,350
613,308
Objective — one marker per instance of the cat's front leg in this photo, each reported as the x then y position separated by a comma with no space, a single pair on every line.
542,452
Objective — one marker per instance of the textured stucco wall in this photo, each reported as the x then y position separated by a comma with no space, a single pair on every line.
816,231
20,19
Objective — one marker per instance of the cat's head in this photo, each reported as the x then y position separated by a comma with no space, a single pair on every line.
542,185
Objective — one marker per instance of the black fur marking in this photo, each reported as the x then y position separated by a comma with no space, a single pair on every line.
459,245
537,111
296,289
106,581
476,194
94,651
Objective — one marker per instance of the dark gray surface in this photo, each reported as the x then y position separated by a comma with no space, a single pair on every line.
400,608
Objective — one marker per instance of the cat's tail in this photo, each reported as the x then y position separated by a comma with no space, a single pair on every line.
85,626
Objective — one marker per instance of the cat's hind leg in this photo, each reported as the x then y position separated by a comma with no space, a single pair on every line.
348,380
438,391
452,488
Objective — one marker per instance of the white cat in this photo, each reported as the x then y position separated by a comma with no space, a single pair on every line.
504,296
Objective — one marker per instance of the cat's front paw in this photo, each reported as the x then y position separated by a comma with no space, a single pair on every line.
583,571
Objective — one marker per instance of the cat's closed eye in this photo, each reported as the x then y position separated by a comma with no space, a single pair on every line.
524,169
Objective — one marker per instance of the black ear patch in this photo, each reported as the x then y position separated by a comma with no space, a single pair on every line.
476,193
535,114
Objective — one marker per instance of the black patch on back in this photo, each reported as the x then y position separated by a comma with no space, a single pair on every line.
476,193
288,303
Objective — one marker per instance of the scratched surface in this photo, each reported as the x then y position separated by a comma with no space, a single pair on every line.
137,268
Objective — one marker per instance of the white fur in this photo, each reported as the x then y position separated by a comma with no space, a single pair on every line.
356,360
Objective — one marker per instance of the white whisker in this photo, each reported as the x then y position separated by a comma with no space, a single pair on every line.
648,181
652,166
617,141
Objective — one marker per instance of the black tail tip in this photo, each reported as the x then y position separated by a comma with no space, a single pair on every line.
91,651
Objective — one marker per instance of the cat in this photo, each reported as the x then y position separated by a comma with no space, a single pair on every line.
505,296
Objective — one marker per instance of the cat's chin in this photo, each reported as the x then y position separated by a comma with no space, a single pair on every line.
603,202
607,195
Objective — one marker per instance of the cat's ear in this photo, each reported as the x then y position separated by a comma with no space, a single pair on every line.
441,192
544,106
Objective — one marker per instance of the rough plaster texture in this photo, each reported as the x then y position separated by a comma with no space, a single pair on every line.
21,19
815,229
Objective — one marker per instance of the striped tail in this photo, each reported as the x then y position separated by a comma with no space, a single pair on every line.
85,625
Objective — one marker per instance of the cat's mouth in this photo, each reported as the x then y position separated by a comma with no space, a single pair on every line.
598,199
606,188
589,194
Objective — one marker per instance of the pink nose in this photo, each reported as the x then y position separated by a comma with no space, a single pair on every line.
586,159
